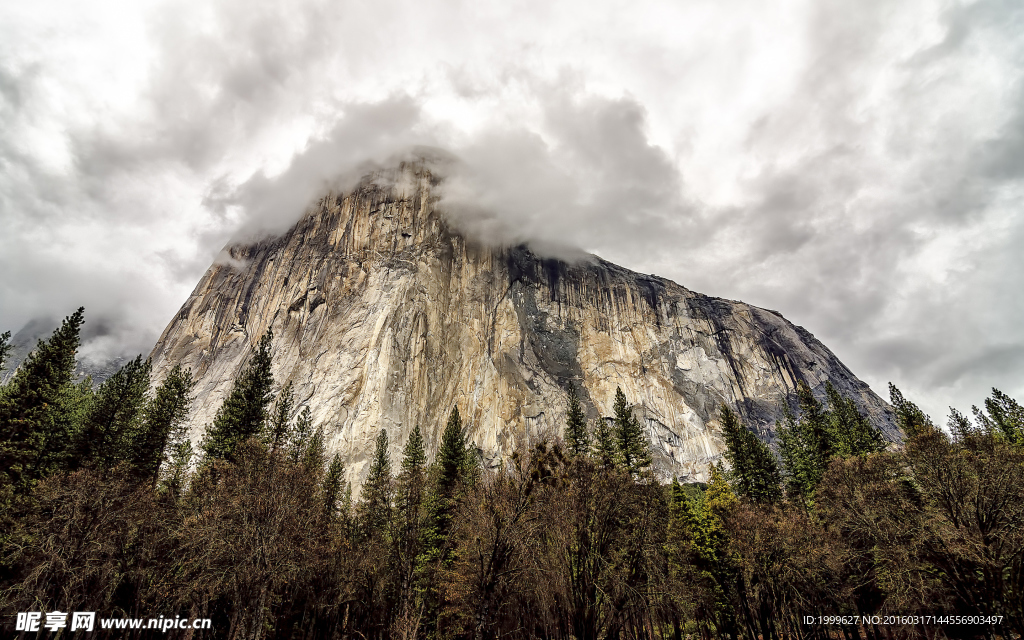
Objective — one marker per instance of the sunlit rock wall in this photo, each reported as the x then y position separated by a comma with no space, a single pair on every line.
383,318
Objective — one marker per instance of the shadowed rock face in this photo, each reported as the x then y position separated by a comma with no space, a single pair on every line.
383,318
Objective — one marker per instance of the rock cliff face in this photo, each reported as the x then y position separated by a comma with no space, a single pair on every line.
385,318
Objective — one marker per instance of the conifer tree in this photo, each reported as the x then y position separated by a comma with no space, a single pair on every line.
815,419
699,544
1004,417
410,492
346,503
451,456
244,412
5,348
719,496
851,432
439,507
677,538
64,424
414,456
677,498
409,506
909,417
959,425
576,436
806,444
798,457
281,422
453,467
735,441
681,516
300,436
115,418
605,449
315,453
164,423
375,508
634,452
753,465
26,406
333,488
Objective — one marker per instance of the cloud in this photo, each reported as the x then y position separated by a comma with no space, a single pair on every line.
367,136
860,169
586,173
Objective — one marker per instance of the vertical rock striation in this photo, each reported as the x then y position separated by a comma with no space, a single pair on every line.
384,317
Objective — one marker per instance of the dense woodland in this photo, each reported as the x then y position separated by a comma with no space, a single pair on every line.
106,506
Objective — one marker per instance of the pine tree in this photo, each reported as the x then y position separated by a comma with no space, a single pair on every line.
62,425
799,457
851,432
677,534
281,423
27,406
809,444
909,418
719,495
409,507
576,436
753,465
1004,417
451,456
5,348
634,452
375,508
959,425
164,423
115,418
439,506
300,436
698,547
244,412
65,422
765,483
333,487
815,418
414,456
806,444
346,503
605,449
315,453
735,450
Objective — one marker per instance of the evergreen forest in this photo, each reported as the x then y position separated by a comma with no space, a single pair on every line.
106,505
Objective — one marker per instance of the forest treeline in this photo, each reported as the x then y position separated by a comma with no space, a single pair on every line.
105,505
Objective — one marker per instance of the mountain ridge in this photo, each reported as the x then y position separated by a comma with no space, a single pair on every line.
384,317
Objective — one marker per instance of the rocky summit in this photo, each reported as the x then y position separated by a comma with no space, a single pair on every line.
385,317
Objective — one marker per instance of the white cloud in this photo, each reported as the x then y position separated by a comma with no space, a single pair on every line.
859,168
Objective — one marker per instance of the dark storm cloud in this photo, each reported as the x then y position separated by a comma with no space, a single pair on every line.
862,227
857,167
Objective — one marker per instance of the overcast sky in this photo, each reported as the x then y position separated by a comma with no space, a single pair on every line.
856,166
